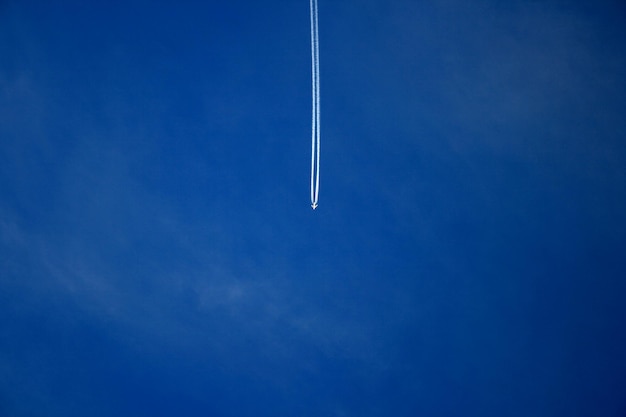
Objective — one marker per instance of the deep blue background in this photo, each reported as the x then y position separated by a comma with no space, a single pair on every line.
159,255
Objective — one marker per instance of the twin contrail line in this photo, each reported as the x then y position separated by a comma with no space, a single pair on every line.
315,130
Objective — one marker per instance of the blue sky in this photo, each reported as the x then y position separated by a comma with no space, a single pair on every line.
159,255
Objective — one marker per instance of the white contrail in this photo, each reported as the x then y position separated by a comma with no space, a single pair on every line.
315,130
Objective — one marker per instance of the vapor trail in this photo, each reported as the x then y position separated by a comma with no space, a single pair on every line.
315,130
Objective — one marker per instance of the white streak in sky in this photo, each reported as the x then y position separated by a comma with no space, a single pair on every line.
315,131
